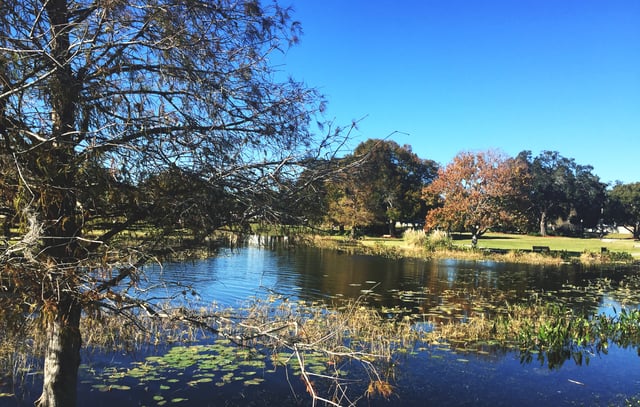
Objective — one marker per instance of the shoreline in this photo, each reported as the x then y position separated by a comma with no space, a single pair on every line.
398,248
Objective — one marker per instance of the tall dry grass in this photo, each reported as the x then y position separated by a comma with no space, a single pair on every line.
346,332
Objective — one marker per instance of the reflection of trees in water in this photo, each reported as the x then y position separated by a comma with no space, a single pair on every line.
455,290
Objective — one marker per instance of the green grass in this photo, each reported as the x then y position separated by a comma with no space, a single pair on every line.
557,243
514,244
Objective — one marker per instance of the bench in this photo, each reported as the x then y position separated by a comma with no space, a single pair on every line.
496,251
541,249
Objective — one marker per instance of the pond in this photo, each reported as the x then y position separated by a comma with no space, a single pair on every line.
430,375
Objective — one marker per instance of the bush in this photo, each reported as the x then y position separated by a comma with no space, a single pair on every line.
416,238
621,257
438,239
606,257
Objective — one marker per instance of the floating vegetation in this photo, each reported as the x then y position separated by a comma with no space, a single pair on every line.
316,342
550,327
327,347
219,363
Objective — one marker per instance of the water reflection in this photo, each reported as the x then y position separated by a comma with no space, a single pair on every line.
439,290
431,292
312,274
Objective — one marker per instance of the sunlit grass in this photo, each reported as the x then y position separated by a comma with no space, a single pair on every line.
556,243
496,246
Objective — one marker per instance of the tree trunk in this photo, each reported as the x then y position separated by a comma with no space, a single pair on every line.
62,357
543,223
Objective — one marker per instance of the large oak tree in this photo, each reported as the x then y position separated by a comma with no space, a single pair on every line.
115,113
384,188
623,207
559,188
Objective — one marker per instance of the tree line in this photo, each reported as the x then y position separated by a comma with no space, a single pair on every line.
379,185
476,192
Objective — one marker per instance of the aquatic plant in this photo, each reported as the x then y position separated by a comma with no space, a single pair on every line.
327,345
301,333
415,238
606,257
18,351
550,332
438,239
513,248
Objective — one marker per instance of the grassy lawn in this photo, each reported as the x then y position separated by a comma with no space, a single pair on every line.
526,242
571,244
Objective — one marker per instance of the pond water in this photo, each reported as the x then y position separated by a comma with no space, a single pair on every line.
439,289
236,274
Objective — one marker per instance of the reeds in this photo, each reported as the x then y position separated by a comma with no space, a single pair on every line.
308,336
551,332
436,245
318,341
415,237
18,354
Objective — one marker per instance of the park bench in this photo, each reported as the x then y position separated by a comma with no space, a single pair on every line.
496,251
541,249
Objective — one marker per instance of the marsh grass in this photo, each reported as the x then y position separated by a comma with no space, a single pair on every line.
334,348
347,336
327,346
606,257
544,330
439,239
21,345
415,238
550,332
492,246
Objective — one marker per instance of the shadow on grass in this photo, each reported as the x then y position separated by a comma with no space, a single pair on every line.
467,236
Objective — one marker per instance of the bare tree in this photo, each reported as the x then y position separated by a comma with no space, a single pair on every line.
115,113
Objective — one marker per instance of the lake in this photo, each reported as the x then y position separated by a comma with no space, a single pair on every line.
439,289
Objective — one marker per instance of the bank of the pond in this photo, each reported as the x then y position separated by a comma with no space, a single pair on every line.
495,246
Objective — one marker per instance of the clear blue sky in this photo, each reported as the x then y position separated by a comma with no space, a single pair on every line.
454,75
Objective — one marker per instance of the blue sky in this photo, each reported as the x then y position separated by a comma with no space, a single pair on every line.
468,75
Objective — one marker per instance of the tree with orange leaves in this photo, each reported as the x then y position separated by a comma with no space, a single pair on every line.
476,192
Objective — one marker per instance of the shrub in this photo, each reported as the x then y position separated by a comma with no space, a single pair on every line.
438,239
416,238
618,257
589,257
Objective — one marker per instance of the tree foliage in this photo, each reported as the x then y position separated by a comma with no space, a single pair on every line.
623,207
560,187
476,192
383,189
118,114
589,198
